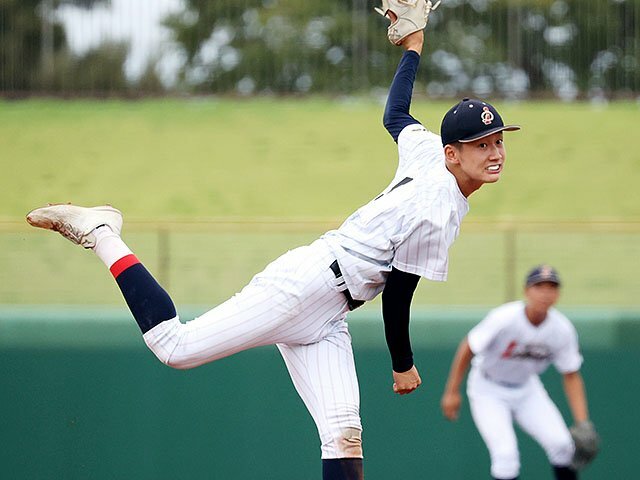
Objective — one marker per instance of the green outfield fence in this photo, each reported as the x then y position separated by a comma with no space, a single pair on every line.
82,398
206,262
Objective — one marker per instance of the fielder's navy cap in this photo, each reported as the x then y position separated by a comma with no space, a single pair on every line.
542,273
471,120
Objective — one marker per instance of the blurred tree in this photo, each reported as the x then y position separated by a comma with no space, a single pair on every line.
148,83
256,45
482,47
581,46
22,30
335,46
30,40
512,48
607,35
98,72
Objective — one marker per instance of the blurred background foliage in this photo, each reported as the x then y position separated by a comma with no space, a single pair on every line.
568,49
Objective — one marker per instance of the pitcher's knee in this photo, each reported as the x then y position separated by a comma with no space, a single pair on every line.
178,364
347,443
505,464
169,360
164,340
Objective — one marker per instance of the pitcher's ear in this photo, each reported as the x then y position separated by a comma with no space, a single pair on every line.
452,152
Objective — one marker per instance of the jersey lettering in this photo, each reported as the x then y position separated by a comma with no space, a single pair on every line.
537,352
509,350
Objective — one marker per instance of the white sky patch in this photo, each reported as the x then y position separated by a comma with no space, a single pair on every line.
137,22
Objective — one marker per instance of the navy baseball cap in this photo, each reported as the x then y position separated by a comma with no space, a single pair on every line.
471,120
542,273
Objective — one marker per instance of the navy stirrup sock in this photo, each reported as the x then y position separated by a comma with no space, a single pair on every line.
342,469
147,300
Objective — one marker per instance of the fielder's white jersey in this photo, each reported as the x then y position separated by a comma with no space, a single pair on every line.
509,349
409,226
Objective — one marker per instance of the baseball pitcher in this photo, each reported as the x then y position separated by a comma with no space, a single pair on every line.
508,350
301,300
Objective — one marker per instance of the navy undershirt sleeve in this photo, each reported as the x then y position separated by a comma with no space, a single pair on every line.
396,307
396,113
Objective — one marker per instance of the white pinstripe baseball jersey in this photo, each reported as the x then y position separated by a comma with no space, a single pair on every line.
409,226
509,348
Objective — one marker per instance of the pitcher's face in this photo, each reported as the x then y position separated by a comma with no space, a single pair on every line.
482,160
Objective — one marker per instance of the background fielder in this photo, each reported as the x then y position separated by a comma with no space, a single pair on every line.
508,350
301,300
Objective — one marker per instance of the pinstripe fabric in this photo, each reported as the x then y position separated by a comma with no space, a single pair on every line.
296,303
295,300
410,225
324,375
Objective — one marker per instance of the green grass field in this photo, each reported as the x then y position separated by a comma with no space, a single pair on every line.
307,163
298,158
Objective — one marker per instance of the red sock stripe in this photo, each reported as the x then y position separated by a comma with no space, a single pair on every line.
122,264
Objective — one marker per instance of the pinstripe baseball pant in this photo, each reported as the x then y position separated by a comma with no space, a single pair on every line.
296,304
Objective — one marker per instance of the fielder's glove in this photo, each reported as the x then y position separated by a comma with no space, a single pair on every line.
587,444
412,16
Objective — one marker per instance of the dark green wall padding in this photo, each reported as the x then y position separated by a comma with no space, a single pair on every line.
82,398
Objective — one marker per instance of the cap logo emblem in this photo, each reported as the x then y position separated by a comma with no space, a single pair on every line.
487,116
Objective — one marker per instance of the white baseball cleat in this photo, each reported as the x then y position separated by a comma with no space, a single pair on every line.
76,223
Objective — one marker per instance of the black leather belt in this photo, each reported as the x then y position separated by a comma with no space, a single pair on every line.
353,304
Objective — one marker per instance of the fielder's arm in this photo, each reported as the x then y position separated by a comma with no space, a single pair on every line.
576,396
396,312
451,398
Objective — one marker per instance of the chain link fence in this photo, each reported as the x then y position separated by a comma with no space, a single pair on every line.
206,263
569,49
